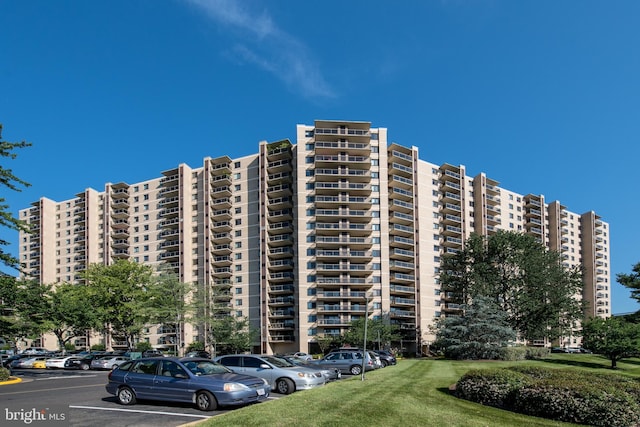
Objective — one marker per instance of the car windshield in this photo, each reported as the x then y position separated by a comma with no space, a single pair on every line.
278,362
204,367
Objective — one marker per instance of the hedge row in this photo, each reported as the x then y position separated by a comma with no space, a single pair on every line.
522,353
560,394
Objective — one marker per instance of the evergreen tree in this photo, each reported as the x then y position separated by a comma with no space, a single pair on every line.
478,332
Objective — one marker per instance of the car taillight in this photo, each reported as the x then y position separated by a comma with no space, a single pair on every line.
109,376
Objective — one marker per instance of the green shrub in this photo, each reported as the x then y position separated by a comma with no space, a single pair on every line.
537,352
565,395
512,353
491,387
4,374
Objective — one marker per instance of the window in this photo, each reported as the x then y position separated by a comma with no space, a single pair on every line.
236,175
236,165
238,302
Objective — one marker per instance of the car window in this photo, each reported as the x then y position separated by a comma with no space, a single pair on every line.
252,362
231,361
125,366
276,361
347,355
333,356
149,367
172,369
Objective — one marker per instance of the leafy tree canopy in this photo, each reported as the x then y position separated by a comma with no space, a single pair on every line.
612,337
525,279
631,281
12,182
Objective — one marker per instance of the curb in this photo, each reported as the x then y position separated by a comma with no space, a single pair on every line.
11,380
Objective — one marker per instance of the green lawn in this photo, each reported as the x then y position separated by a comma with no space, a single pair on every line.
413,393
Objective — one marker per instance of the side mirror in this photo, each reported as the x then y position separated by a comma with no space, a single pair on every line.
264,366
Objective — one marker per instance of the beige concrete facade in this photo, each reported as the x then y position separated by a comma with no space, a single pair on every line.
302,238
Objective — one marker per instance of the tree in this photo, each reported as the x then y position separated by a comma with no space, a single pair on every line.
167,302
119,293
479,332
62,310
12,182
612,337
231,335
69,314
631,281
8,296
527,281
377,329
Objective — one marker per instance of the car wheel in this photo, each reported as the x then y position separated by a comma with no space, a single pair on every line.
205,401
84,367
126,396
384,363
355,370
285,386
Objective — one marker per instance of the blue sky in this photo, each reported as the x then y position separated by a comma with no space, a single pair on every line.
543,96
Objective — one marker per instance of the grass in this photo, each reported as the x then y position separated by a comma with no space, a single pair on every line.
413,393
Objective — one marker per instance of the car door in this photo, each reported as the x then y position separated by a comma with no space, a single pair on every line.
172,382
232,362
141,378
335,361
254,366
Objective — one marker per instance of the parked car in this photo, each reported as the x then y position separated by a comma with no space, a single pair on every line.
386,357
283,377
347,361
27,362
199,353
196,380
35,350
108,362
152,353
39,364
83,363
302,355
330,374
58,362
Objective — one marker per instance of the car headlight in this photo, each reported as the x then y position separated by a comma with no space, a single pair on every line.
235,387
305,375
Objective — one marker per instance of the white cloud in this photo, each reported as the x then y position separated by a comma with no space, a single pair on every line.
262,43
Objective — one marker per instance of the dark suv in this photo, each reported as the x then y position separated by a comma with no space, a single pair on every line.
386,357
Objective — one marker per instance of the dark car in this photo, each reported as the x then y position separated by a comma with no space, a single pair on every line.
386,357
83,363
197,380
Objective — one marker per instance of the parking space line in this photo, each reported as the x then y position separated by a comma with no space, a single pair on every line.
176,414
64,377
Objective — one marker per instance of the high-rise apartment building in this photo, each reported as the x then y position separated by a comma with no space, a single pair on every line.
304,238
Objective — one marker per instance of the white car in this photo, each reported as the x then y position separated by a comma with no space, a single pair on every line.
302,356
108,362
28,362
58,362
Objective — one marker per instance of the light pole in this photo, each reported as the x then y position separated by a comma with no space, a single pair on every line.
364,345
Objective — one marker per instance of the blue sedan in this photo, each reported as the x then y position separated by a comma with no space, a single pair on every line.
200,381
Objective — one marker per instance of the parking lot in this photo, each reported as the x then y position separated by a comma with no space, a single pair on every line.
80,399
